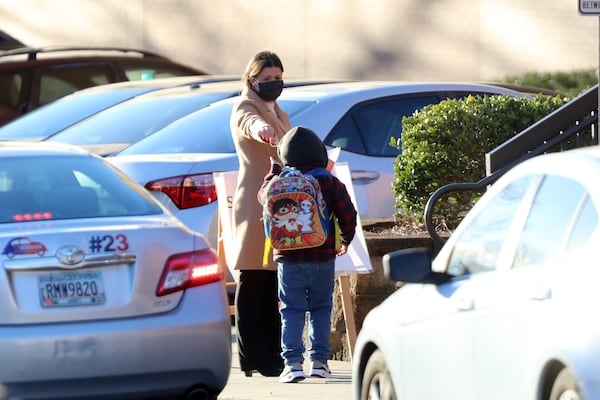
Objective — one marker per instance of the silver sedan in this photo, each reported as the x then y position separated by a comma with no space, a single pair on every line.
103,293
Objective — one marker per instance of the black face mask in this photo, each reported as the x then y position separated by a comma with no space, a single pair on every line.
269,91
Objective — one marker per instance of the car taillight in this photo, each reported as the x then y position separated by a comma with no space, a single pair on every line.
186,270
187,191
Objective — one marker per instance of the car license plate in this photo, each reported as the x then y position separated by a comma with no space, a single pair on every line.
71,289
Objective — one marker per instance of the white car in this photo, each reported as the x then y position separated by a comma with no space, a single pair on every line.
176,163
103,293
507,309
122,124
129,119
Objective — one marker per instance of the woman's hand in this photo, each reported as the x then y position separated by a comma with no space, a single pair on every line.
266,133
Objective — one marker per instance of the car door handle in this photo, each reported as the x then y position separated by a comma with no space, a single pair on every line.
363,177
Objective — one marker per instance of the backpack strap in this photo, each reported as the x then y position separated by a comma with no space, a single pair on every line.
266,252
336,226
318,172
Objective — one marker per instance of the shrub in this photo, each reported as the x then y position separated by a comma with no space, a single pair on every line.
571,83
446,143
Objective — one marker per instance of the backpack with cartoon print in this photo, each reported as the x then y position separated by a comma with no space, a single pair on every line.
295,215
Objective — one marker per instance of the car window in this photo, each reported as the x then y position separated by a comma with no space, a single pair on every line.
368,127
556,206
59,81
477,248
11,94
61,113
52,188
10,89
586,223
133,120
204,131
143,71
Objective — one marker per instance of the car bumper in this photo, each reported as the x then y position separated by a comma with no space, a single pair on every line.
159,354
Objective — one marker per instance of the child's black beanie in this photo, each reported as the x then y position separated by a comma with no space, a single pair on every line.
301,148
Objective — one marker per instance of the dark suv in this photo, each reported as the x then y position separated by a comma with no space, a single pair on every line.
31,77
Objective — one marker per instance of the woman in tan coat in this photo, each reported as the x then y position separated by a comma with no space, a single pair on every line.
257,124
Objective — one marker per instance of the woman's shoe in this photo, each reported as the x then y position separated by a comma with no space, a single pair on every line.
249,373
271,372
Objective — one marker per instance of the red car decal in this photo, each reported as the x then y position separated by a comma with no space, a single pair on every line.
23,245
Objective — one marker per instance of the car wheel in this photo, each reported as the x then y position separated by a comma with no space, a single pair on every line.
377,382
564,387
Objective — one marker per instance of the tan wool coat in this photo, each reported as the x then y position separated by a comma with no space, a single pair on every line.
253,155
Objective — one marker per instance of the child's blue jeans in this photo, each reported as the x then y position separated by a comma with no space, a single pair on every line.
305,288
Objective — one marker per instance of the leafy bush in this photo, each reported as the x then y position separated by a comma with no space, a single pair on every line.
571,83
446,143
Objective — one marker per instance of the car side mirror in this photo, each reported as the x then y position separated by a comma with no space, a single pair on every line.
411,266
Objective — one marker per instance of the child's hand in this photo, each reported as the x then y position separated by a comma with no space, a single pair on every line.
343,249
276,165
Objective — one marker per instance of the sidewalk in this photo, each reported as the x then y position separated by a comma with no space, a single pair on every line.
258,387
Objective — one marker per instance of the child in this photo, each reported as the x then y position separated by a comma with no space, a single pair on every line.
306,277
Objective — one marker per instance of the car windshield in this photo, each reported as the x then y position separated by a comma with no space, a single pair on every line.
51,188
133,120
62,113
204,131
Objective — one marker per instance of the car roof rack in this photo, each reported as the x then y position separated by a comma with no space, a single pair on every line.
33,52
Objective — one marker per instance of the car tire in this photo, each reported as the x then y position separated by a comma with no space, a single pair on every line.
377,382
564,387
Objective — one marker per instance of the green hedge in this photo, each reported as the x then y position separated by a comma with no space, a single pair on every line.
446,143
571,83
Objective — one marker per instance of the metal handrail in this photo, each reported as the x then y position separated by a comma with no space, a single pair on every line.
543,130
557,127
451,187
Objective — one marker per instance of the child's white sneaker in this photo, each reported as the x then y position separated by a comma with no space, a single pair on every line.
292,374
320,369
